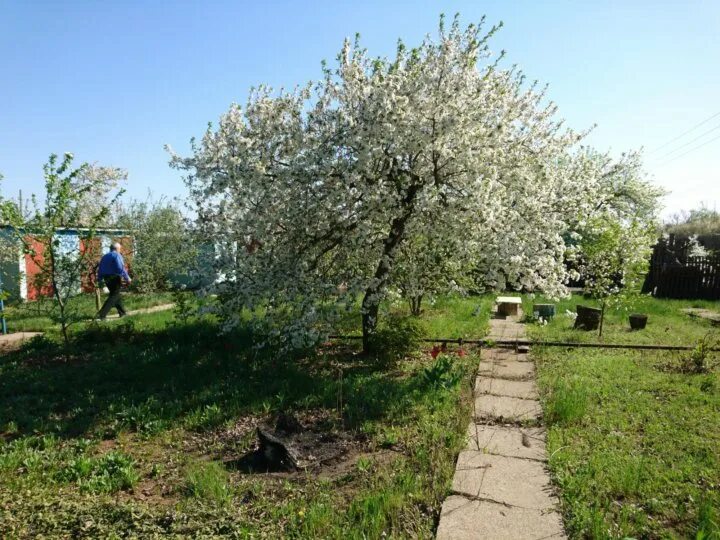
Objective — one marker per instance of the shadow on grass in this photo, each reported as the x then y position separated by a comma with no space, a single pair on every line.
151,380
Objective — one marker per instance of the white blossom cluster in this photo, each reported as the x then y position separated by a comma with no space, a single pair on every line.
432,170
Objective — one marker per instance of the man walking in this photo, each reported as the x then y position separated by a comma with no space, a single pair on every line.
112,271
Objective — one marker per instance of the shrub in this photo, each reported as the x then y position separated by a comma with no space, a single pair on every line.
396,338
700,359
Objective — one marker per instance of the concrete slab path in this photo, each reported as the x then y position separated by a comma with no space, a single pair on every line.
501,487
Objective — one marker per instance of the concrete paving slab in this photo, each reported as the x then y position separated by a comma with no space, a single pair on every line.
505,480
505,387
507,409
509,441
504,329
507,369
464,519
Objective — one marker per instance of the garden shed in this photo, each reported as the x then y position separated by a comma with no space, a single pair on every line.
18,274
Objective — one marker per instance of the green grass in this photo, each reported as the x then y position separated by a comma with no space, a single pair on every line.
135,434
33,316
666,322
633,438
208,482
449,317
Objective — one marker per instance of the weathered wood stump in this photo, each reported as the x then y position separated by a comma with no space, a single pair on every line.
276,451
588,318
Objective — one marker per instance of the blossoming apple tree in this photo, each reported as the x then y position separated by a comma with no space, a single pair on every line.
347,187
611,246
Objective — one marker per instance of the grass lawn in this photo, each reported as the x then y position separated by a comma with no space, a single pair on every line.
633,439
33,316
144,431
666,325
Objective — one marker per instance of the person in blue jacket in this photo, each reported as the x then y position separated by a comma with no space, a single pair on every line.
112,271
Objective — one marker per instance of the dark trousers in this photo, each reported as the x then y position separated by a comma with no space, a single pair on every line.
113,283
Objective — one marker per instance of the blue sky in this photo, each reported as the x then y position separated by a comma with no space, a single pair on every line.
115,81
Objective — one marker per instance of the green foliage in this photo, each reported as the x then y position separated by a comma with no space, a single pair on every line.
667,324
165,248
701,358
184,309
396,337
698,221
68,195
209,482
35,317
442,373
108,473
206,417
177,403
708,522
631,440
567,403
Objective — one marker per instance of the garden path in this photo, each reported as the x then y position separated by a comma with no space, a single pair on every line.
501,487
13,341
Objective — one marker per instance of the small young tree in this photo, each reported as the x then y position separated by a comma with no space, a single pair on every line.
59,262
611,246
165,245
613,259
8,248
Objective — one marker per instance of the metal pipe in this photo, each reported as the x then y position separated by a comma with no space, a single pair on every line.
568,344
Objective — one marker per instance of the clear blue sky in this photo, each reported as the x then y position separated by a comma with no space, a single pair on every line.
115,81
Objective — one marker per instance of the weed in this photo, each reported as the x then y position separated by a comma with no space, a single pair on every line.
109,473
708,527
184,309
701,358
364,464
208,481
441,374
396,337
206,417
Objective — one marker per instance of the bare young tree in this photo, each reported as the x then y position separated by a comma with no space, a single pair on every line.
68,197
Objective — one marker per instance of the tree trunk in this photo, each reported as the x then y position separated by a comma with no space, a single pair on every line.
61,302
602,319
415,303
369,320
371,300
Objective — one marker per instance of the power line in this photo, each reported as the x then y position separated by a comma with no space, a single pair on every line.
691,150
686,132
689,142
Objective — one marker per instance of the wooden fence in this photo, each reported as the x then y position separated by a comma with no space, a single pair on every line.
673,273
